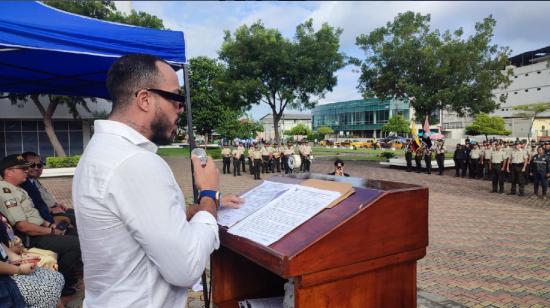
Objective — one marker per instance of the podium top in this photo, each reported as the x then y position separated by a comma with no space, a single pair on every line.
380,218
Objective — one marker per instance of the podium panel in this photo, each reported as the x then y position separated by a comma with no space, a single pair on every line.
360,253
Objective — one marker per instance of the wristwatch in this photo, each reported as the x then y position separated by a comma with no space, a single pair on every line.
212,194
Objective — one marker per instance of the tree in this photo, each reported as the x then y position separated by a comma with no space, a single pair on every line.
209,110
323,131
485,124
232,128
396,124
265,67
531,112
105,10
405,60
300,130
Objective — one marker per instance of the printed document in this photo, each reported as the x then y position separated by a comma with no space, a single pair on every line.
283,214
255,199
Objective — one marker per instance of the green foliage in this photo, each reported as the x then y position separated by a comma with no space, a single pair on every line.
300,129
433,70
62,162
244,128
106,10
531,112
263,66
215,153
322,131
387,155
396,124
485,124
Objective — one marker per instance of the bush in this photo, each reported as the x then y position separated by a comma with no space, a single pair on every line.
387,155
62,162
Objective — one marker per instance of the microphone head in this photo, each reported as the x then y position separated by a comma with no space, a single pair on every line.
201,154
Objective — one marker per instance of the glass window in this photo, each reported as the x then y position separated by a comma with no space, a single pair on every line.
44,145
30,141
63,138
13,143
13,126
382,116
369,117
28,126
2,144
77,146
60,125
75,125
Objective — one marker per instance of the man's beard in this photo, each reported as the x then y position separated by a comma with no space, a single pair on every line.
159,127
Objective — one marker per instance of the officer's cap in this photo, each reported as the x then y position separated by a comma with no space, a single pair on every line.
14,160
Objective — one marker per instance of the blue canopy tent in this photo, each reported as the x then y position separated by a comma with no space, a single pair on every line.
48,51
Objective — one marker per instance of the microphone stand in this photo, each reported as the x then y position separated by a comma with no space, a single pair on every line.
192,145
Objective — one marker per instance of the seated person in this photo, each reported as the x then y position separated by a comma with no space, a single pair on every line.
17,207
41,198
338,168
26,284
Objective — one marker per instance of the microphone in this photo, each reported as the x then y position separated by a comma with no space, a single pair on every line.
201,154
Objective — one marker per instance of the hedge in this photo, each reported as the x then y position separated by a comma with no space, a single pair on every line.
62,162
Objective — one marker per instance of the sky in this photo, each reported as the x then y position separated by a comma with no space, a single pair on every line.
522,26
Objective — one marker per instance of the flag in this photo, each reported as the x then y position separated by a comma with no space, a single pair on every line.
414,136
426,127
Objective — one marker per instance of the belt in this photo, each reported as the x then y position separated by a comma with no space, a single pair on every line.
517,164
496,163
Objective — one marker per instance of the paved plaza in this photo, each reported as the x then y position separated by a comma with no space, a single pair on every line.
486,250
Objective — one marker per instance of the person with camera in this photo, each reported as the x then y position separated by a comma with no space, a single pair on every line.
17,207
141,246
338,168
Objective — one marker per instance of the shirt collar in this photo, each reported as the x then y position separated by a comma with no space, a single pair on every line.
126,132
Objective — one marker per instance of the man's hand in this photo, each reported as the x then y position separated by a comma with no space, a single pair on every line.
232,201
26,268
207,177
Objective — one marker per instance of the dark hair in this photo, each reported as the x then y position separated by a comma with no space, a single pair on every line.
130,74
28,154
338,161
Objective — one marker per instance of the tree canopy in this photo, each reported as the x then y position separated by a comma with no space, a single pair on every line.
485,124
433,70
396,124
263,66
322,131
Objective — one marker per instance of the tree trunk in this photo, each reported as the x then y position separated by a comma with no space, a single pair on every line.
276,119
47,117
486,138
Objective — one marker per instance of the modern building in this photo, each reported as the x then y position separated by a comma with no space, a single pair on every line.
359,118
530,85
22,127
287,122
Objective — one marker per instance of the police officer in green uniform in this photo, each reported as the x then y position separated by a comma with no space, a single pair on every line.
517,164
17,207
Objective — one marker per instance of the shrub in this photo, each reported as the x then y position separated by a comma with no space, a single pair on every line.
387,155
62,162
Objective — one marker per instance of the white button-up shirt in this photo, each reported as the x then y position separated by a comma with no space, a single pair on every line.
138,248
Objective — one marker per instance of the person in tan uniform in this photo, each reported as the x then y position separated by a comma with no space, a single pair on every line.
497,166
271,163
517,164
251,150
226,156
475,157
257,157
236,153
277,157
266,154
418,157
241,148
306,152
289,150
17,207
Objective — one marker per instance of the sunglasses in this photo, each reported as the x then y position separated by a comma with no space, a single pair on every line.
171,96
35,165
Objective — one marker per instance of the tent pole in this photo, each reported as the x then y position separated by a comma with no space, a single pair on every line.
192,145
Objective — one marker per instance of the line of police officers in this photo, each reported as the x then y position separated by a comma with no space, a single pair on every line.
499,161
265,158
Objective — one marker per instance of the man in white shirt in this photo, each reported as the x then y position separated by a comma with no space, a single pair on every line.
140,247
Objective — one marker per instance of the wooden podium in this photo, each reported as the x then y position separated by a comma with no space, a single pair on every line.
361,253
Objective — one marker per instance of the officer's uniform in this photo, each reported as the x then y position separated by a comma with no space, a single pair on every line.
475,155
409,156
236,153
306,162
277,158
540,167
428,159
257,157
418,158
271,163
497,158
517,163
440,156
289,150
507,151
265,159
486,153
241,149
226,154
17,206
251,160
301,153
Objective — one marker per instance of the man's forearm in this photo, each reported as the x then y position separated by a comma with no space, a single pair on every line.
32,229
206,204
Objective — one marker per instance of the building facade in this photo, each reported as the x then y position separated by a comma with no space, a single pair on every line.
22,128
287,122
530,85
359,118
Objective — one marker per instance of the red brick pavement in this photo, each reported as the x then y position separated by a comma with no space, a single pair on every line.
485,249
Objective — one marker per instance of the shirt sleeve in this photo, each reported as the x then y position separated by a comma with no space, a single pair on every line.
151,205
11,208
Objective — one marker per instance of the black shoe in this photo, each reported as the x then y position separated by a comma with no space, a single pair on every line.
68,291
492,191
512,193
